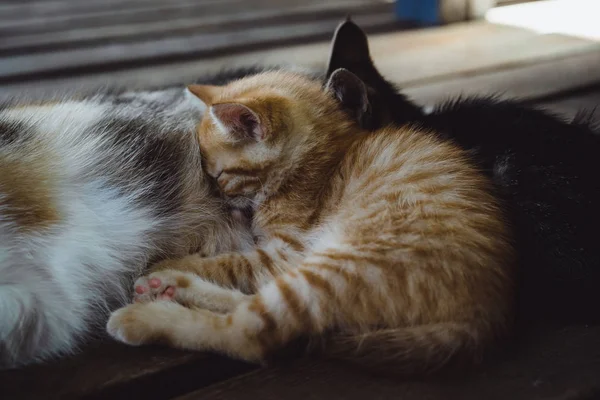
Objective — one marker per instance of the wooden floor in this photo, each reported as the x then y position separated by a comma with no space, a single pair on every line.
556,71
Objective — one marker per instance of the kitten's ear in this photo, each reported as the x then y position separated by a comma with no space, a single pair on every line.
239,120
206,93
350,50
351,93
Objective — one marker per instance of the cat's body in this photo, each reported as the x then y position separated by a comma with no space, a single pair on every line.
391,239
546,170
91,190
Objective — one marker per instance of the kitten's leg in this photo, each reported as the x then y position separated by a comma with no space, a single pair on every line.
311,300
304,301
188,289
246,271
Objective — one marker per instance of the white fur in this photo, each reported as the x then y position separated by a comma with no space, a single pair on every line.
58,285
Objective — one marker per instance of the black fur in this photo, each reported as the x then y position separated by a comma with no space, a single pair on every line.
11,132
546,170
161,157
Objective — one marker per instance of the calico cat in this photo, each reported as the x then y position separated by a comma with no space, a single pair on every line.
91,190
546,170
393,240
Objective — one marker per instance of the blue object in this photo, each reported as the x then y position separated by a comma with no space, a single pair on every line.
424,12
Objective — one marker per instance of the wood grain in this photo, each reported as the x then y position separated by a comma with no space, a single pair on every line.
420,60
527,81
550,365
152,50
110,371
208,21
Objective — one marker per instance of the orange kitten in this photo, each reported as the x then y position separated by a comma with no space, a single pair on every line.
392,241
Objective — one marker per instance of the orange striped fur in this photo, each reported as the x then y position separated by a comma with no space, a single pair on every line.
391,243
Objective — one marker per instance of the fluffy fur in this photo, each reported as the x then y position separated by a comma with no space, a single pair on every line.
92,190
392,239
546,170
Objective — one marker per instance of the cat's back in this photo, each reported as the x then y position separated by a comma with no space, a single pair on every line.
110,168
404,198
86,185
408,156
90,191
409,174
546,169
501,128
37,146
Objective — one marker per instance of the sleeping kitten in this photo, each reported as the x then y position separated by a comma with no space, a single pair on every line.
546,170
393,240
91,191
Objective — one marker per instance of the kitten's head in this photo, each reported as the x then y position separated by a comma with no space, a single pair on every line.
350,51
260,131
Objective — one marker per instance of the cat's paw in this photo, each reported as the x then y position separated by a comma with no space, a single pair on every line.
132,325
160,285
150,323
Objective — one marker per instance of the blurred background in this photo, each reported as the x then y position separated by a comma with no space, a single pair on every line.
432,48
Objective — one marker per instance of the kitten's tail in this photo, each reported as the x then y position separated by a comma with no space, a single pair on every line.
411,350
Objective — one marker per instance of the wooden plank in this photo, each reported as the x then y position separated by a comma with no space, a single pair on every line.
120,55
34,9
108,16
396,44
425,61
520,81
415,67
561,364
114,371
223,21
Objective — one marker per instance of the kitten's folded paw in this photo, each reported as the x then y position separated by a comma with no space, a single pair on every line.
127,325
160,285
150,323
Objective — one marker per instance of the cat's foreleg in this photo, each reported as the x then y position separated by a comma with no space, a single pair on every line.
246,271
302,301
187,289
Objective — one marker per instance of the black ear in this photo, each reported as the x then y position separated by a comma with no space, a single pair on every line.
350,50
385,104
352,94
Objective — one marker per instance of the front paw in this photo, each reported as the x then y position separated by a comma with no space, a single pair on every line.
128,325
139,324
160,285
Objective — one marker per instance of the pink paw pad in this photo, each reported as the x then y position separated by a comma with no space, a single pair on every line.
141,289
154,283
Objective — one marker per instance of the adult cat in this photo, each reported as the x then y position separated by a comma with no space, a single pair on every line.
91,190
